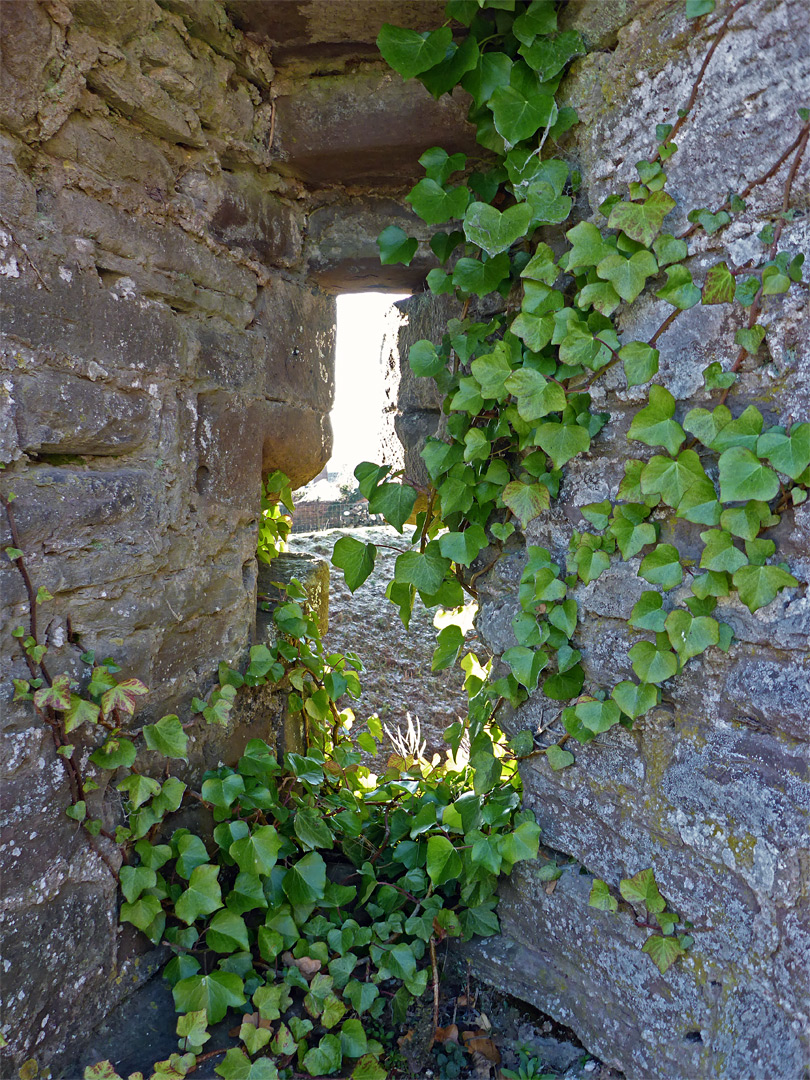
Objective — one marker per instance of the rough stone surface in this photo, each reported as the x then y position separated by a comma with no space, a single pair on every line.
710,789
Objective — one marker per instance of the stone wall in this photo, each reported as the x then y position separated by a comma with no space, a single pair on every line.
186,184
711,788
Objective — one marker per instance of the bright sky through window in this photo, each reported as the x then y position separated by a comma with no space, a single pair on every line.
359,387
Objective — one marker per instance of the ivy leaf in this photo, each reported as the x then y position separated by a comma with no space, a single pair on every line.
662,567
463,547
599,295
410,53
523,107
491,371
355,559
435,204
774,281
743,477
595,717
597,514
56,696
546,205
705,425
634,699
690,636
167,737
549,54
640,362
719,286
493,230
122,697
600,897
448,644
396,246
115,753
708,221
215,993
758,585
651,664
533,330
630,530
525,664
642,221
562,441
654,425
221,792
720,554
481,278
696,8
444,244
227,933
558,758
751,339
492,70
202,897
642,889
425,570
395,502
526,501
565,684
664,951
672,478
134,879
443,861
139,789
714,378
141,912
680,290
305,880
790,454
536,397
628,276
258,852
589,247
747,520
446,75
648,612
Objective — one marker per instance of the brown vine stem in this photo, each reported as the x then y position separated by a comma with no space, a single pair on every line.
699,79
434,965
665,325
756,307
774,169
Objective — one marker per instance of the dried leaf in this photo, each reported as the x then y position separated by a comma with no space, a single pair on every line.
446,1034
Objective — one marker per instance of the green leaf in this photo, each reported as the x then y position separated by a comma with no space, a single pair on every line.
758,585
493,230
215,993
491,71
630,530
227,933
669,250
141,913
463,547
526,501
628,276
588,246
435,204
744,477
114,754
746,521
750,340
192,1028
662,567
443,861
719,286
671,478
167,737
562,441
654,425
664,951
708,221
548,55
690,636
789,453
395,246
601,898
651,664
355,559
536,397
138,788
395,502
714,378
680,290
558,758
311,829
410,53
640,362
642,889
642,221
305,880
696,8
222,792
595,717
191,852
361,995
481,278
134,879
565,684
446,75
425,570
634,699
202,896
774,281
520,845
324,1058
369,1068
648,613
720,553
525,664
546,205
258,852
491,372
524,106
80,712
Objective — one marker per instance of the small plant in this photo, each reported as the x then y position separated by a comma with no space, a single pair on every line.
530,1067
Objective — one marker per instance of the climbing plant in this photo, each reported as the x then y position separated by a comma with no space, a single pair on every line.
517,385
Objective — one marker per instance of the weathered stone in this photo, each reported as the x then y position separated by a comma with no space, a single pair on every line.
297,440
366,127
247,216
28,61
64,415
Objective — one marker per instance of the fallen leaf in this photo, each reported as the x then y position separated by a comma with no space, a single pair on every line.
482,1069
478,1045
446,1034
484,1022
305,964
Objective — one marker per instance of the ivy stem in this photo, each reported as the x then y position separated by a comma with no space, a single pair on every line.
684,112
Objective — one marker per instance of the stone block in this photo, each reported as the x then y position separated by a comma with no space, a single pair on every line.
297,440
28,61
342,252
82,321
264,226
297,323
60,414
207,20
367,127
230,433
